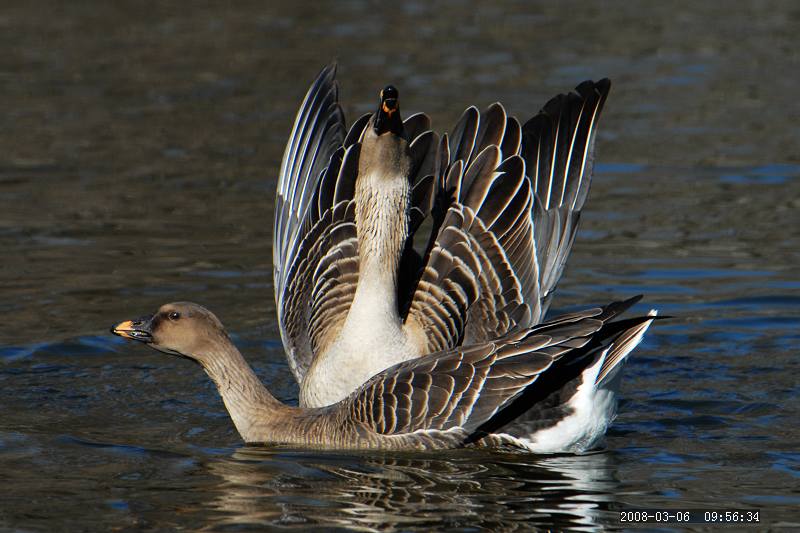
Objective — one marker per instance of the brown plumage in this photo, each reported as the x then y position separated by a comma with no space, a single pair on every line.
438,342
502,201
461,397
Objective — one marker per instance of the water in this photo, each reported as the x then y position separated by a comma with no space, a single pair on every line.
138,159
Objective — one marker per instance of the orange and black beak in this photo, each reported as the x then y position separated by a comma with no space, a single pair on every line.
138,330
387,119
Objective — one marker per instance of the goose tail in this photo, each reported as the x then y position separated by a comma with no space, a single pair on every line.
618,352
590,410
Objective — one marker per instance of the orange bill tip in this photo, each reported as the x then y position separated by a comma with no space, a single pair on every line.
388,110
124,329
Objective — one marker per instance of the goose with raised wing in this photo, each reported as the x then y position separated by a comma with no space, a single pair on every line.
543,389
392,242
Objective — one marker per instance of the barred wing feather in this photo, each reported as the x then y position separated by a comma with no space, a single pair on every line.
474,389
505,206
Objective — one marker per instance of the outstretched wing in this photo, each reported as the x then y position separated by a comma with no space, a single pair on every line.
318,131
558,148
314,246
470,388
505,210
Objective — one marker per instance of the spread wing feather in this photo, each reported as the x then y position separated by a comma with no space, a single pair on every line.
558,148
472,263
317,133
505,204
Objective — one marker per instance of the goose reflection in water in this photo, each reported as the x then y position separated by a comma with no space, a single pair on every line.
375,492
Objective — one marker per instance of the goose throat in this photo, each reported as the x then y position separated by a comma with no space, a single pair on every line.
382,228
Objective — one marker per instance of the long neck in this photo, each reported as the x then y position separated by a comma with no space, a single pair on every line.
252,408
382,203
382,227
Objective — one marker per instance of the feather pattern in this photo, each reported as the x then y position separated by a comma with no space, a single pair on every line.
315,247
317,133
321,285
503,202
558,149
505,211
469,394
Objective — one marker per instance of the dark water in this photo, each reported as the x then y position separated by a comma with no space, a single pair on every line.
139,147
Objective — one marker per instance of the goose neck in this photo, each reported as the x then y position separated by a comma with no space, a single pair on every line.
382,228
248,402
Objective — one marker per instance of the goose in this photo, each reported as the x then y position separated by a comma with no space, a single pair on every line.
392,242
547,388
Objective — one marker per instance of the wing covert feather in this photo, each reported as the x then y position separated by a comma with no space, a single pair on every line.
467,387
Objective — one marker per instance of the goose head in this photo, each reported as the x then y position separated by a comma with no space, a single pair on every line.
182,328
386,119
384,147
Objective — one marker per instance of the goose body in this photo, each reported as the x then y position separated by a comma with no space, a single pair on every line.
434,342
502,199
527,391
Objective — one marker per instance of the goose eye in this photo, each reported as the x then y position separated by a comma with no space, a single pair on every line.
174,315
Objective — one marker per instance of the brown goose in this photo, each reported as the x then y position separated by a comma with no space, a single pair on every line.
501,200
548,388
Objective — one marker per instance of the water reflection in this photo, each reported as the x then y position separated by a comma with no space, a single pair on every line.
372,492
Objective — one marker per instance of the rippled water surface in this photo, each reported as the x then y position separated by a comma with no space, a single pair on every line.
138,159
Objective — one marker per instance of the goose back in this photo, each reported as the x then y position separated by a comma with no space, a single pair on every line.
498,393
